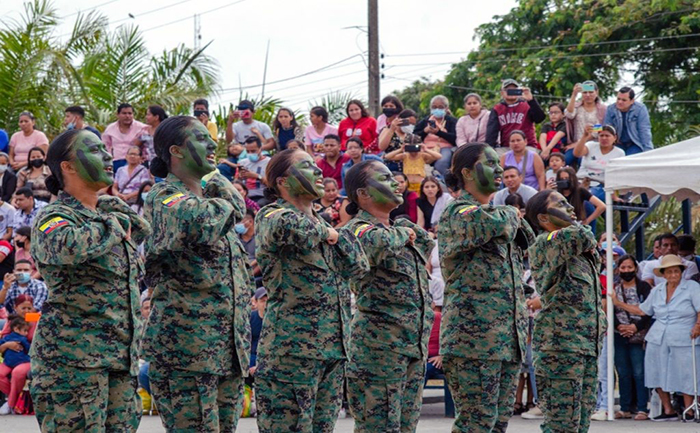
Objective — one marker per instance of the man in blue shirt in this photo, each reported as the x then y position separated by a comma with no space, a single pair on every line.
74,119
631,119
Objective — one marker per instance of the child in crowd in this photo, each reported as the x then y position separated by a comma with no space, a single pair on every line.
553,135
556,162
414,155
13,359
295,144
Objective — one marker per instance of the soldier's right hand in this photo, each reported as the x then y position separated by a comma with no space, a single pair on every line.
332,238
411,236
8,280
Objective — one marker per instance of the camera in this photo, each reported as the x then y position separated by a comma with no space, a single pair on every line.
198,113
411,148
514,92
432,123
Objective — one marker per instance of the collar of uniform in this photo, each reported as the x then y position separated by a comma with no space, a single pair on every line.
366,216
74,203
287,205
177,183
465,196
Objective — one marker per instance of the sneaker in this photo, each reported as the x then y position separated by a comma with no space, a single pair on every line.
5,409
534,413
600,415
666,417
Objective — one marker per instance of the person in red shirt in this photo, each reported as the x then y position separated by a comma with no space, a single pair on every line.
359,124
332,162
515,112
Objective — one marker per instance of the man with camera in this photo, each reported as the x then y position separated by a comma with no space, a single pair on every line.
201,112
518,110
241,125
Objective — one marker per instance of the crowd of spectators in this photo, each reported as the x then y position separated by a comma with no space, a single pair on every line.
569,154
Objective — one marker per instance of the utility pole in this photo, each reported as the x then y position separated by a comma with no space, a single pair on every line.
267,53
197,32
373,46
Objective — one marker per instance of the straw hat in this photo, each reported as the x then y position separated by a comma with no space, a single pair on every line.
668,261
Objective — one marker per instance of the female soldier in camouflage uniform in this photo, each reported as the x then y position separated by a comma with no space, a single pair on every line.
84,354
306,266
198,334
484,321
391,329
570,326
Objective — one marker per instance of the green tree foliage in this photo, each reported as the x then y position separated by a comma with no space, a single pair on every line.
44,72
549,45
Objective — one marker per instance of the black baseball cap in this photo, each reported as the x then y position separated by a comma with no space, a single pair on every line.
245,105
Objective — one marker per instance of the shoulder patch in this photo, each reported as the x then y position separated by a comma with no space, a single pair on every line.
361,230
467,210
53,224
171,200
552,235
272,212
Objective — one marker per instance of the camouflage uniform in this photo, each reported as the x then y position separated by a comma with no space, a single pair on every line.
84,353
198,334
569,329
484,320
390,331
303,344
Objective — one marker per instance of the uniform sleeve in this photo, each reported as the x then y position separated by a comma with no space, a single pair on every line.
187,220
569,242
474,226
281,227
220,187
379,241
140,228
349,258
423,243
56,240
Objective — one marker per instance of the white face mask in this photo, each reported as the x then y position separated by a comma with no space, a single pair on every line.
3,168
408,129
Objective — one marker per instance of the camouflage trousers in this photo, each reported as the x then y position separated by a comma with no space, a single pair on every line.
298,394
483,392
566,388
195,402
385,391
109,404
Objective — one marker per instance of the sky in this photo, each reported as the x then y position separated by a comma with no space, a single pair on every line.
417,38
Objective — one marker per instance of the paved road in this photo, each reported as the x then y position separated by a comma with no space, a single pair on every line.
431,422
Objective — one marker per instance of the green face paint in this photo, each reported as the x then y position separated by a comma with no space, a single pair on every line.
560,213
382,187
488,172
198,145
93,162
305,178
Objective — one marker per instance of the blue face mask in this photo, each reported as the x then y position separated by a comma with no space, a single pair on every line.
253,157
143,196
438,112
240,228
23,277
70,126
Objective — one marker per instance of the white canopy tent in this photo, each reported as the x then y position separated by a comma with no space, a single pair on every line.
668,171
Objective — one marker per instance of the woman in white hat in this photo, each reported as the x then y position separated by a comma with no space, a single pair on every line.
675,304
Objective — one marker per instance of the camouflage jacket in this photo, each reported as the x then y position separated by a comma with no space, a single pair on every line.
197,267
565,266
484,314
307,281
393,300
91,268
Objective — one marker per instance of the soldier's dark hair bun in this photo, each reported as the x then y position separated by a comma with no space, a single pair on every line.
158,167
52,184
270,194
352,208
451,180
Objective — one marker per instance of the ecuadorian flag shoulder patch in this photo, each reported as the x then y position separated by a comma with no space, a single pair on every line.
467,210
272,212
359,231
52,225
171,200
552,235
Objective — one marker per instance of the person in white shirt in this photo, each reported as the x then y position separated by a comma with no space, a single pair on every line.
513,181
595,156
247,126
669,245
657,255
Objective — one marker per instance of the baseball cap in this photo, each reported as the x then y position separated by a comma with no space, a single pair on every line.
509,82
259,293
245,105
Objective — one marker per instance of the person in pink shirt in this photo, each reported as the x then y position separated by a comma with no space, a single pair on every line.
314,135
24,140
471,128
359,124
122,134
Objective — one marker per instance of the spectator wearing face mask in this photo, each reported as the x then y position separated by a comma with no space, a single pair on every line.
669,245
391,107
34,175
8,180
393,135
252,169
245,126
23,243
74,118
439,132
686,249
21,283
246,233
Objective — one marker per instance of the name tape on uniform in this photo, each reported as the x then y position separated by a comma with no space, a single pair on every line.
170,201
53,224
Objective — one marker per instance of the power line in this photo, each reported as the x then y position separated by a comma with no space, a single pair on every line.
498,50
89,9
189,17
150,12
